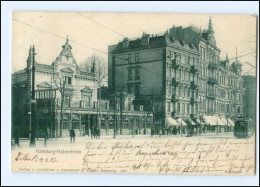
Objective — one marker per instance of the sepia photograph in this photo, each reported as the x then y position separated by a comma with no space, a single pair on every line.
133,93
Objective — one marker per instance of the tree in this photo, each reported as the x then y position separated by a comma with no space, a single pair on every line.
96,65
60,83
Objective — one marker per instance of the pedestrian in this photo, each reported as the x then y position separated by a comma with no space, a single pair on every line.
72,136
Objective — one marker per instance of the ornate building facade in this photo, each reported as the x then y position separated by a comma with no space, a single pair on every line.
180,74
81,108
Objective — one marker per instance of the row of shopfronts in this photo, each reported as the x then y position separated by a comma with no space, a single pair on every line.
205,124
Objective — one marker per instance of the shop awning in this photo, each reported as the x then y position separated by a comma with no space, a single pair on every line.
211,120
191,121
230,122
171,122
181,122
220,122
224,121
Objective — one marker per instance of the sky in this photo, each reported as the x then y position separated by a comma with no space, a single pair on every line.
99,30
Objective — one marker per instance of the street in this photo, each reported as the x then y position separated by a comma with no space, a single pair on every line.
24,143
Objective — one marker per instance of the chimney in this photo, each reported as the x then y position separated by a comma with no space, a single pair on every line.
145,39
125,43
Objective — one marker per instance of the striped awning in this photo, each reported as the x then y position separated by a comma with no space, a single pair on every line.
225,121
181,122
192,122
231,123
220,122
171,122
210,120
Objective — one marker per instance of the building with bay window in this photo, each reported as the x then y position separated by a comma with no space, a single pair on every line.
178,74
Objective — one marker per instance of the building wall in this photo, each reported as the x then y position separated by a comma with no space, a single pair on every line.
249,97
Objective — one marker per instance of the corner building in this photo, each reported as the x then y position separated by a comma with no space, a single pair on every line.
178,74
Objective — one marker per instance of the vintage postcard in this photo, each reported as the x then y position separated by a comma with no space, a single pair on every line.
133,93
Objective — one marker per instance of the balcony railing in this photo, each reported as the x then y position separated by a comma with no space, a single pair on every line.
211,96
212,66
175,63
212,81
193,84
175,82
194,69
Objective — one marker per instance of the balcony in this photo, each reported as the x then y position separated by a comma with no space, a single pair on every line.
193,69
175,82
193,100
174,98
212,81
175,63
212,66
193,84
211,96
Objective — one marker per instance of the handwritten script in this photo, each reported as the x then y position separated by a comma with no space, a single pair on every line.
151,156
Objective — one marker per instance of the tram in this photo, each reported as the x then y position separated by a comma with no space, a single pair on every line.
244,128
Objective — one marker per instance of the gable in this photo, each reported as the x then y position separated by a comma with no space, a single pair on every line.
44,85
67,70
87,90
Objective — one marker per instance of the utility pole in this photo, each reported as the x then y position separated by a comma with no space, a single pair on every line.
33,101
115,121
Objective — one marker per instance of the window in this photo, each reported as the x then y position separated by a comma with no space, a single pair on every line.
196,109
175,55
238,109
188,60
137,57
183,108
107,106
178,107
137,90
137,74
67,98
130,75
129,103
69,80
168,107
130,58
130,89
188,108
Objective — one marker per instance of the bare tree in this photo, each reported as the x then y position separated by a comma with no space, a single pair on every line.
60,83
96,65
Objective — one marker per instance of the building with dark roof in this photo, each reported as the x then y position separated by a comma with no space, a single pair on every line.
180,72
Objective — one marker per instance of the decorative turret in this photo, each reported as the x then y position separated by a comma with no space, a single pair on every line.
210,33
237,66
65,56
210,30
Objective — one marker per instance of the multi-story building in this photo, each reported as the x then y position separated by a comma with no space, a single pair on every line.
80,108
249,97
180,73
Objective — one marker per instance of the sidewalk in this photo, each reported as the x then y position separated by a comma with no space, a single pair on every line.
83,139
